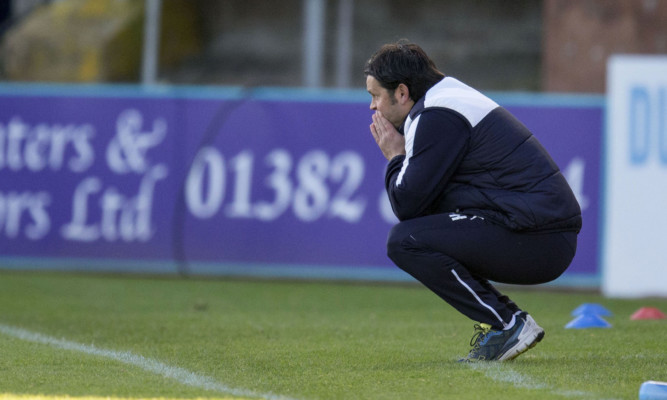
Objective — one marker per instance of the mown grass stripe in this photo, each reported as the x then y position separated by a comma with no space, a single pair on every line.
177,374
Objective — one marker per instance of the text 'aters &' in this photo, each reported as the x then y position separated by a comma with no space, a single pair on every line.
35,156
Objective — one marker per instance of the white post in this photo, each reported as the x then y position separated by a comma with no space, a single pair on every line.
344,43
150,57
313,42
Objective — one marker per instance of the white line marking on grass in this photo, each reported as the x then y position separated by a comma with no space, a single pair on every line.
501,372
177,374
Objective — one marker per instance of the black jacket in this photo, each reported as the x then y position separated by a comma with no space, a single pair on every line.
466,154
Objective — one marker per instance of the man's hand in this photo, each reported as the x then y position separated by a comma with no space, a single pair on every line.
387,137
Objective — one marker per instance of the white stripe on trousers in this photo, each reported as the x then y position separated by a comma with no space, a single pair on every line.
478,299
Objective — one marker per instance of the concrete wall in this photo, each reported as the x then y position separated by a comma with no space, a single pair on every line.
492,44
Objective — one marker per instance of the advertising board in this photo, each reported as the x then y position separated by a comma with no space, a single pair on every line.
264,182
634,254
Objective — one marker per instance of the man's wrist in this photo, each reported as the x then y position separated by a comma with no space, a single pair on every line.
395,156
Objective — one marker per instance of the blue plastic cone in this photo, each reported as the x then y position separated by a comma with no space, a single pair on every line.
588,321
591,309
653,390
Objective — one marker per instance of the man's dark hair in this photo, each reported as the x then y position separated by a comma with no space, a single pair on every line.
403,62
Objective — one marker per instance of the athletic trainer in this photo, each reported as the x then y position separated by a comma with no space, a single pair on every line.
477,196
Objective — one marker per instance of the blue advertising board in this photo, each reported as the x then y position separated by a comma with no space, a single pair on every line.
260,182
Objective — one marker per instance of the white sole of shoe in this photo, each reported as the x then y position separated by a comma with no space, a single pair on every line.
529,336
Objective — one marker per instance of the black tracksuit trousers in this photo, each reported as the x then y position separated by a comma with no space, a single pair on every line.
456,255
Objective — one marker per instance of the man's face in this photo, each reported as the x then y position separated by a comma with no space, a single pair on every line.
391,105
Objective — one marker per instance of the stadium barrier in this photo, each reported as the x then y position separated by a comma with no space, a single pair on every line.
634,255
230,181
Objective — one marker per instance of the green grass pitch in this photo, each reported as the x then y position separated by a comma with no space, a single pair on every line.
93,336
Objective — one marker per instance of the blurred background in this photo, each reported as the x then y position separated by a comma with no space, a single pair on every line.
517,45
250,118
